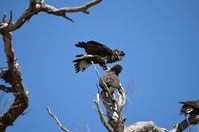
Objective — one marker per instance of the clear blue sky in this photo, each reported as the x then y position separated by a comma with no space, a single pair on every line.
161,42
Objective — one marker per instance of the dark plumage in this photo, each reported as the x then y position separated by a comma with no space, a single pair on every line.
98,53
190,107
111,79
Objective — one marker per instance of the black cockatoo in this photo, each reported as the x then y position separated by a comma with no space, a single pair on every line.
111,79
98,54
190,107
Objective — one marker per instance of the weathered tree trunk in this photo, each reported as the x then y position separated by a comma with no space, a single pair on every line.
12,74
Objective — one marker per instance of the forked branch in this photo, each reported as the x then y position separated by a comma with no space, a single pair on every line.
36,7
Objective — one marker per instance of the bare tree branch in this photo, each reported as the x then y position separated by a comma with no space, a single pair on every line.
6,89
7,37
4,18
36,7
120,105
57,120
10,18
14,78
106,124
144,127
150,126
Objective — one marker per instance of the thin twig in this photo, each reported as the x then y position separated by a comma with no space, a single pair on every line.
4,18
68,18
57,120
10,20
98,89
97,72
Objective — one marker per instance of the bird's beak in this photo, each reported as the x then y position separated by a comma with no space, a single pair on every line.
188,110
122,53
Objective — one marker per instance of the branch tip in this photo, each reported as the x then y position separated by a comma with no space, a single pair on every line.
10,20
56,119
4,18
68,18
86,12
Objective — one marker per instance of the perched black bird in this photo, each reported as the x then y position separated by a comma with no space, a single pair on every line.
98,53
111,79
190,107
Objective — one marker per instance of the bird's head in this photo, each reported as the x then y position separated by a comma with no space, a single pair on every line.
186,109
119,54
116,69
190,107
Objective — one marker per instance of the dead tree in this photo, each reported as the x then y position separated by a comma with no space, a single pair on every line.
12,74
112,119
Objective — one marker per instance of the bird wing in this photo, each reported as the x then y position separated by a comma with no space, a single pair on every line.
82,63
194,104
94,48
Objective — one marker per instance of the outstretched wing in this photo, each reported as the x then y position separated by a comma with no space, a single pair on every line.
95,48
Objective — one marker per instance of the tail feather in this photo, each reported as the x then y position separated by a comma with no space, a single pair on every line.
81,65
83,62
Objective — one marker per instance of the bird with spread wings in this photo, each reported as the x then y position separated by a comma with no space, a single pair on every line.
96,53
